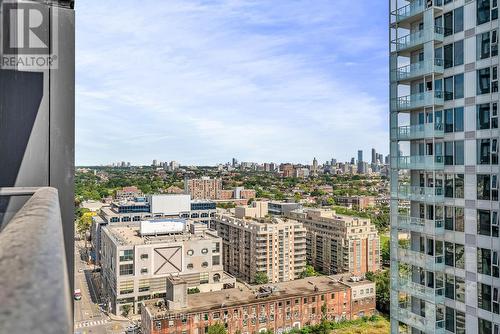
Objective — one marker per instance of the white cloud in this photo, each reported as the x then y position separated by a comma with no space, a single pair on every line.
203,81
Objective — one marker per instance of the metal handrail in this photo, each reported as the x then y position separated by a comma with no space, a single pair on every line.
34,279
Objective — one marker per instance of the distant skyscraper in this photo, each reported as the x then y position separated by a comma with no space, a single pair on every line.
360,155
353,161
315,166
374,156
155,163
235,162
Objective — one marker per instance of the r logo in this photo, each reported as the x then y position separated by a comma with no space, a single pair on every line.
26,28
28,35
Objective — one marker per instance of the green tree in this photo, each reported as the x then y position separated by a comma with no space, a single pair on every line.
126,310
308,272
261,278
382,285
217,328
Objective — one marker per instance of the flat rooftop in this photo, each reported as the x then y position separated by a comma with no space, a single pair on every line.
129,234
243,295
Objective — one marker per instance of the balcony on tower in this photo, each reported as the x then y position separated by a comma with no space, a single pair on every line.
405,74
419,131
418,162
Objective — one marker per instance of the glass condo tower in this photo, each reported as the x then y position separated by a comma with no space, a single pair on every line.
444,166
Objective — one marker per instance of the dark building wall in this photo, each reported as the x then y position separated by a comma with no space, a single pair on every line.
37,115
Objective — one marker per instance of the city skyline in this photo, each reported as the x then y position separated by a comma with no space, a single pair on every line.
259,80
160,162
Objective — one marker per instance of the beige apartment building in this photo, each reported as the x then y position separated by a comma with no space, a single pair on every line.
257,209
276,247
137,258
204,188
339,244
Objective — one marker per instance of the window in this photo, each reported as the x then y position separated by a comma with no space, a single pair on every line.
144,256
203,278
126,287
126,269
458,56
450,320
448,56
204,251
204,264
483,187
454,255
448,120
484,261
483,81
459,185
459,152
189,266
144,270
454,218
483,11
448,153
487,151
215,260
459,117
485,118
190,252
483,45
458,23
126,255
448,88
484,326
484,296
459,86
143,285
448,23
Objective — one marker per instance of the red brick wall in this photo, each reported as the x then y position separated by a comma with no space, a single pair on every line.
306,312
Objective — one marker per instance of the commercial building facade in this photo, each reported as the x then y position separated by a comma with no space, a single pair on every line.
278,308
150,208
276,247
135,266
444,135
339,244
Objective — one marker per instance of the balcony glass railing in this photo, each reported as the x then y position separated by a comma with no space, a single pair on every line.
418,100
413,8
420,131
418,38
421,194
421,225
419,162
418,69
427,324
432,295
428,262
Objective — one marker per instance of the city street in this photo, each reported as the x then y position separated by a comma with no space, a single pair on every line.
89,318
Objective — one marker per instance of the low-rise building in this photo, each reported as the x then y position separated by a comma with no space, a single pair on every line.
339,244
282,208
278,308
153,207
355,202
137,258
257,209
128,193
275,247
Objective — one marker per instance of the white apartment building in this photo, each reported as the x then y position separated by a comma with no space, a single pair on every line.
444,135
137,258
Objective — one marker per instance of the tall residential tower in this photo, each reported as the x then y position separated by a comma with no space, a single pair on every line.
444,166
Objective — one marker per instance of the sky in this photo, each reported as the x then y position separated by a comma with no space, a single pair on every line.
203,81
